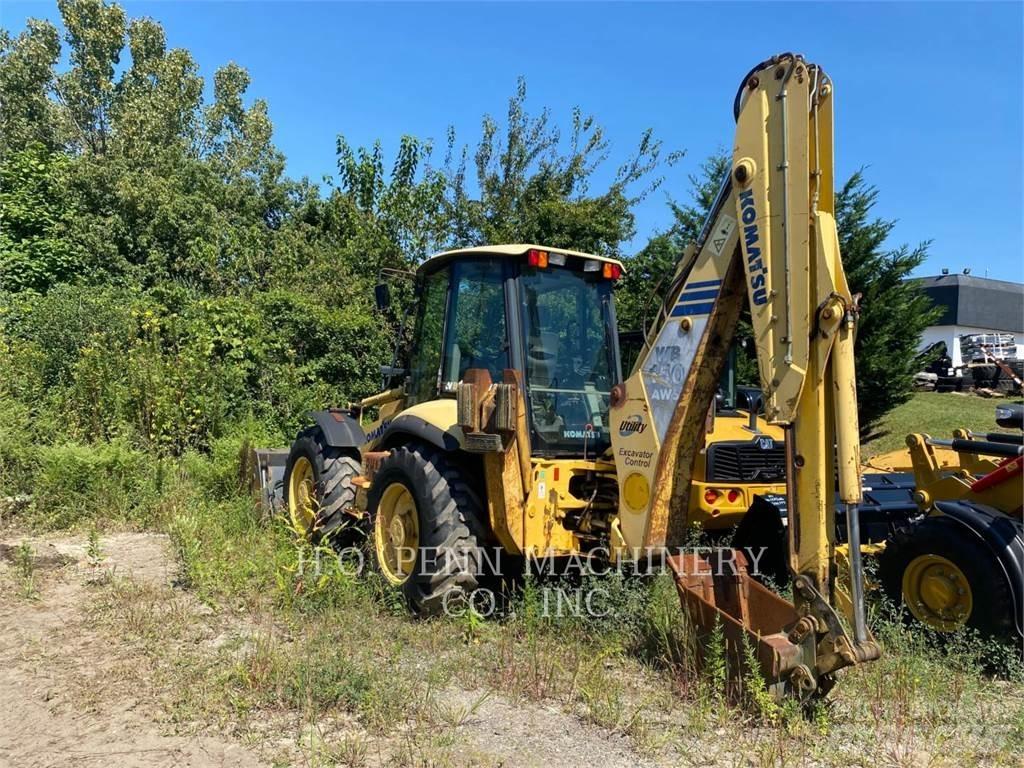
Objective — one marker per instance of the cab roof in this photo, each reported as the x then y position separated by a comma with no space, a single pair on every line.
516,249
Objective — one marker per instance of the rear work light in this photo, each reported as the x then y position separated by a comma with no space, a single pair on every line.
537,258
611,271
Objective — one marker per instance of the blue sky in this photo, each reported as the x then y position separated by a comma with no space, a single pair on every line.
928,95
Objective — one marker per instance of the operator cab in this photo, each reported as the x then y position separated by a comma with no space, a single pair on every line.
545,312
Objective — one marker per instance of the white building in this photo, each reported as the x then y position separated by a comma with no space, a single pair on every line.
973,305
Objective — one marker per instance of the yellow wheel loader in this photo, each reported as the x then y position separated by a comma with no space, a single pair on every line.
959,560
510,428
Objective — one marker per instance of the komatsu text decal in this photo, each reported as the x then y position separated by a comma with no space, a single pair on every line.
756,269
378,430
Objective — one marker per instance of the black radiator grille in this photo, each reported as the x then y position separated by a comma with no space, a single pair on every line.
746,461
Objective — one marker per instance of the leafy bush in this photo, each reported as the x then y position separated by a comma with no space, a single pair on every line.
216,474
79,483
17,455
34,250
174,371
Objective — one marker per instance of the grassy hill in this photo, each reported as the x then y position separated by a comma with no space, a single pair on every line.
936,414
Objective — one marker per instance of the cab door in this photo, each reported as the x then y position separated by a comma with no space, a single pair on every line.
428,337
477,331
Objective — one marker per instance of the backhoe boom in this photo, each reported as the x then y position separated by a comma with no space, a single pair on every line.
770,240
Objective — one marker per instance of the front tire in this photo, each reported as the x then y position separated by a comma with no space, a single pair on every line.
427,528
947,579
318,490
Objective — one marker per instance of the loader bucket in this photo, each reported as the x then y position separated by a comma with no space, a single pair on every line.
261,470
718,590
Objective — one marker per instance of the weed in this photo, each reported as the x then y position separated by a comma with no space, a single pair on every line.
385,705
530,610
316,579
25,568
716,663
1015,737
457,715
80,483
335,645
755,691
664,635
350,752
93,550
472,624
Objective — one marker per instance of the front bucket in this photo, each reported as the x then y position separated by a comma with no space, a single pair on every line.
261,471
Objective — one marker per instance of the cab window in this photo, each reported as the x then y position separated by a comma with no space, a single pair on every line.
425,357
477,334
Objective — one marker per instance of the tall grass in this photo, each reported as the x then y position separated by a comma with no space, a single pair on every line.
326,641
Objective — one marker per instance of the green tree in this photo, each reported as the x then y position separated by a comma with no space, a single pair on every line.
529,186
646,279
95,35
26,79
161,185
396,217
894,310
161,278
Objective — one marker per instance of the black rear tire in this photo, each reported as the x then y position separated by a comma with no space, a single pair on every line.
448,564
985,376
334,494
992,608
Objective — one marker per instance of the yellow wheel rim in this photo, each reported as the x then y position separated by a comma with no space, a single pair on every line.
302,499
396,533
937,593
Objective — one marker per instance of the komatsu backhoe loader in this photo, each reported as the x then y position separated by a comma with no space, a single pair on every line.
512,428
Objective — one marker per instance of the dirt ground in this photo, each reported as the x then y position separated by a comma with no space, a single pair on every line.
67,693
71,693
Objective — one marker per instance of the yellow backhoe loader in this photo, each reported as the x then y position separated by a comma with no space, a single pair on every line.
510,425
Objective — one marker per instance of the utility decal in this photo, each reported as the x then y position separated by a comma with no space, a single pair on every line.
756,269
632,425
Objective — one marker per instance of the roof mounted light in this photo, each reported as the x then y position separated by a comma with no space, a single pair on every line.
556,259
537,258
591,265
611,271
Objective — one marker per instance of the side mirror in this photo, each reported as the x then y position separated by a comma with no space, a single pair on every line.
382,296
